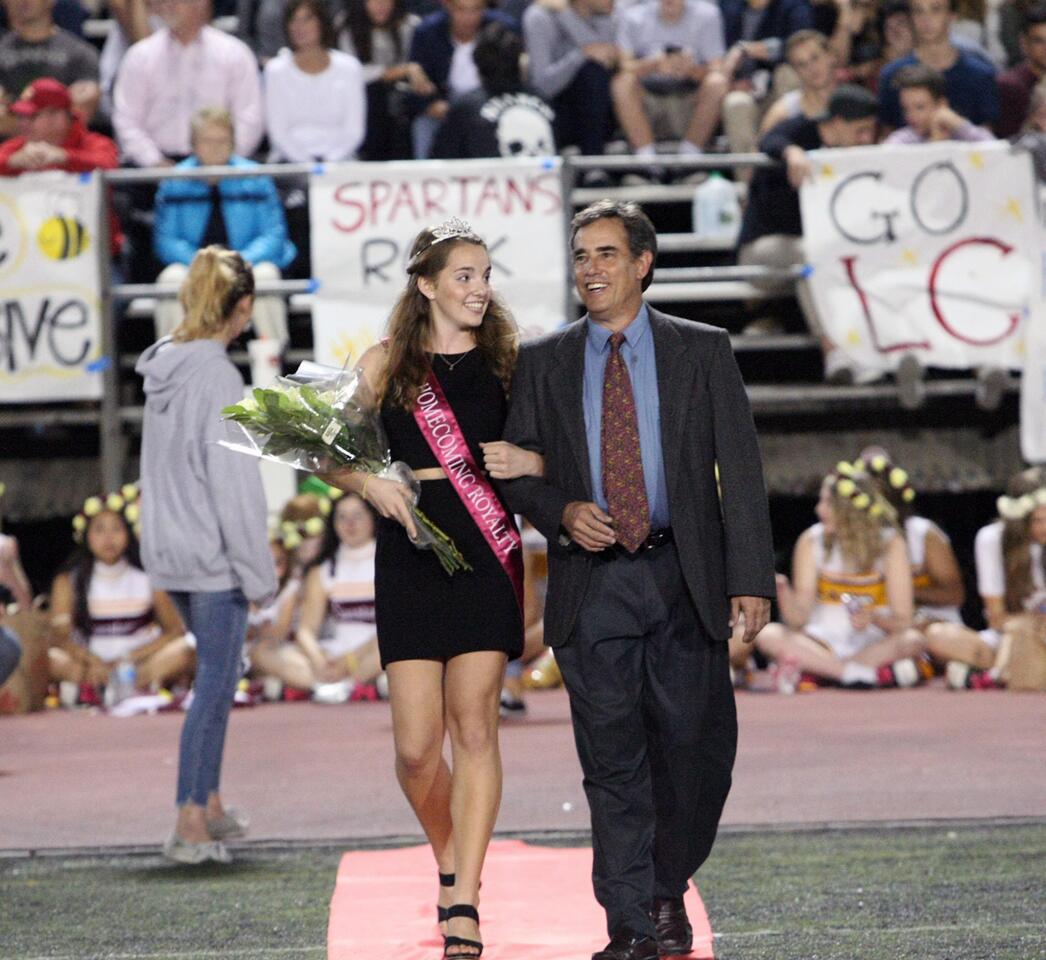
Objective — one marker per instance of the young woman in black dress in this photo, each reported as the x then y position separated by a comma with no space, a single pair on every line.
445,640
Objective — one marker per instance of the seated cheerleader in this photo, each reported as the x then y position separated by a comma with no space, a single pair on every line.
848,610
302,522
1011,584
271,628
936,577
104,610
335,648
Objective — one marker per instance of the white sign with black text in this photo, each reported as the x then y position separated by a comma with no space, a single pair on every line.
365,216
50,331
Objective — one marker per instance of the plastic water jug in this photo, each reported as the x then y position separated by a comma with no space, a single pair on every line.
717,212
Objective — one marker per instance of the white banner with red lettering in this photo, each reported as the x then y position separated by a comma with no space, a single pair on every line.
933,250
50,329
364,217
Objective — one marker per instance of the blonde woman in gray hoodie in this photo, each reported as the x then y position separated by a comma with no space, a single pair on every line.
204,537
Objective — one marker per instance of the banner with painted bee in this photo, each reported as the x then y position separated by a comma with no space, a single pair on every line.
50,286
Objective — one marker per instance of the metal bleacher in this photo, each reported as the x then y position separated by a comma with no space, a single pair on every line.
804,423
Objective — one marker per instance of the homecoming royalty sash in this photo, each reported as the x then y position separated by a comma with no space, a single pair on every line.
441,431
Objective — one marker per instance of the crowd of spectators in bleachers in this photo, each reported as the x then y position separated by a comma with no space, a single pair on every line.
333,79
330,80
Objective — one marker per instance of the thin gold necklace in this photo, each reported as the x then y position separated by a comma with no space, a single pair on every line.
451,366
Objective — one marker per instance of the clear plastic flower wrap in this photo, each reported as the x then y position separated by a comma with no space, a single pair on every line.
321,418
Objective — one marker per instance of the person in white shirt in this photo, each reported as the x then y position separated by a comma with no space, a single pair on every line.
1011,581
336,643
105,609
808,53
169,76
669,86
315,98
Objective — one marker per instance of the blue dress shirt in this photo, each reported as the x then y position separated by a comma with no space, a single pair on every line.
638,354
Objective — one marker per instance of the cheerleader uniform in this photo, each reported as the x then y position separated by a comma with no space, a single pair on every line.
916,530
348,581
991,574
120,607
829,621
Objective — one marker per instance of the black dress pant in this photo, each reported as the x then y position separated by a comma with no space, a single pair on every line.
656,731
584,110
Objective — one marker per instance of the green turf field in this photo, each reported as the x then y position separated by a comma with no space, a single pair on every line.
941,893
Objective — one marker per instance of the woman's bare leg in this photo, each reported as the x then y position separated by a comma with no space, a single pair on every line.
416,698
907,643
170,661
286,662
473,689
777,642
953,641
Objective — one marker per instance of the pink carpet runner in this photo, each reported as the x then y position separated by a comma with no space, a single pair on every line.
537,905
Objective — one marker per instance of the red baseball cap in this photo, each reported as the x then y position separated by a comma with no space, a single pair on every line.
45,93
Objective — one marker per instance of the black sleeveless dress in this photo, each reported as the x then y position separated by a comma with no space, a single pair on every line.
422,612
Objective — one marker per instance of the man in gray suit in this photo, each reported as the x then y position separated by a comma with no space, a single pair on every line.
649,567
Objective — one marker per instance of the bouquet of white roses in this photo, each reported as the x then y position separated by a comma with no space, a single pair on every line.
321,418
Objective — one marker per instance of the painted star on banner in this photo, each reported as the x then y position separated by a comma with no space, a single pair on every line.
910,257
853,338
827,171
347,346
1013,209
977,160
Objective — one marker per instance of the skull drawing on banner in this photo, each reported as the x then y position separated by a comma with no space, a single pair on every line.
524,132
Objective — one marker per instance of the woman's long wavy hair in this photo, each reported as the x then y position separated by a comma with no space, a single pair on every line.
80,567
858,533
410,325
361,28
1016,542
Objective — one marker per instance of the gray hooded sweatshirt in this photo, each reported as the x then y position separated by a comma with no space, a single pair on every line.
204,525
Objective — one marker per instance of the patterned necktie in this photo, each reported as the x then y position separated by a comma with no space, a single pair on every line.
623,483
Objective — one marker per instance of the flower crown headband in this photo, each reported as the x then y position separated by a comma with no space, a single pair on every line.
844,485
453,229
1018,508
897,478
124,503
290,533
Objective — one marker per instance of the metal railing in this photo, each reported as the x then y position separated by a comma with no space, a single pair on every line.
672,285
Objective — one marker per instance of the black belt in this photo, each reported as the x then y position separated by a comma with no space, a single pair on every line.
654,539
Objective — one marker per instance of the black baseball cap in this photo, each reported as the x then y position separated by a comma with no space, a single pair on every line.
850,102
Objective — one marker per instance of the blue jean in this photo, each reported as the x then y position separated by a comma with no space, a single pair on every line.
423,130
218,620
10,653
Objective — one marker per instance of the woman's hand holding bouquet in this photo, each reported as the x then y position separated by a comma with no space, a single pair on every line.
325,421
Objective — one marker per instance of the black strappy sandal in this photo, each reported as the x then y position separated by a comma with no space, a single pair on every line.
445,880
449,943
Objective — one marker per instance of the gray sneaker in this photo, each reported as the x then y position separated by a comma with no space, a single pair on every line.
233,824
181,851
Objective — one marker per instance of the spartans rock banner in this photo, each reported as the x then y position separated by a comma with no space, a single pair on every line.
50,331
932,250
364,218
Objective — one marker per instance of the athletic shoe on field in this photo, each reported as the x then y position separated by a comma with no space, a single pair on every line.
900,673
961,676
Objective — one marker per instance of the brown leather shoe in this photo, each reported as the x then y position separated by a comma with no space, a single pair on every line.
628,946
675,936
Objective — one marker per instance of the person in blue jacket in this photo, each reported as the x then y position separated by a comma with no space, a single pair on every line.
243,214
443,44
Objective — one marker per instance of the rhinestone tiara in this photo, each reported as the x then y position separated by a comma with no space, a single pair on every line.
451,229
